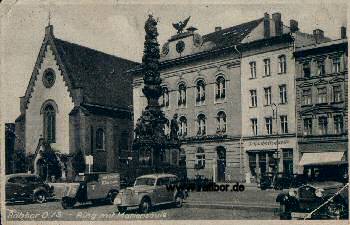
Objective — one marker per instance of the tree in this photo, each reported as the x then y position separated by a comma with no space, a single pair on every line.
19,161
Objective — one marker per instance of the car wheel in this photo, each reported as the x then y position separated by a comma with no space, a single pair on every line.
68,203
284,215
179,200
111,197
145,205
40,197
122,209
337,210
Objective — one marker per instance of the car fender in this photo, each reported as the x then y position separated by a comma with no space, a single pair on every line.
144,195
179,193
110,192
282,198
39,189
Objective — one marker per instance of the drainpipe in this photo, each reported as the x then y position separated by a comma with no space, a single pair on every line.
241,169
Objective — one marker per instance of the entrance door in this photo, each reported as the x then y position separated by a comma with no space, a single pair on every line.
221,163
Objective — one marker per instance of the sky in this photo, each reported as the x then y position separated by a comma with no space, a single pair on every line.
117,27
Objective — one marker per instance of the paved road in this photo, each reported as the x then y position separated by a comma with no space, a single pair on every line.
54,211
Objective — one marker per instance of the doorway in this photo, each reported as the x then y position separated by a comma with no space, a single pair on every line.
221,163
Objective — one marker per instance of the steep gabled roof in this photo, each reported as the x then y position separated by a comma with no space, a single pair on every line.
101,76
97,73
232,35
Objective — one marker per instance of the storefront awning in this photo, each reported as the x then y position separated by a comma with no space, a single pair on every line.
322,158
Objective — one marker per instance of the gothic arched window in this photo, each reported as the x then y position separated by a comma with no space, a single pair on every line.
220,88
221,122
200,86
100,139
50,124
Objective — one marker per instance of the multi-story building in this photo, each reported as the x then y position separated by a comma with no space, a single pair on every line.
268,94
322,101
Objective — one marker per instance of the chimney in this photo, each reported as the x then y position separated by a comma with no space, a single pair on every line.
266,25
276,17
49,30
343,32
217,29
293,24
318,35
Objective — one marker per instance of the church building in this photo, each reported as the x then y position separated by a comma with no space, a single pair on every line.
77,99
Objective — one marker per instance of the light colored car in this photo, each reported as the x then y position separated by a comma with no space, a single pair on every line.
92,187
149,191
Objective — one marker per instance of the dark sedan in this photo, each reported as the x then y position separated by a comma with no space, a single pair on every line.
27,188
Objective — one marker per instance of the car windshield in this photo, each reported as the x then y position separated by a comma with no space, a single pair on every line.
145,181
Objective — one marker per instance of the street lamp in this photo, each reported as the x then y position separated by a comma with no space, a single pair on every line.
276,154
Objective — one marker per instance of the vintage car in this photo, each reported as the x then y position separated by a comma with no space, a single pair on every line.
148,191
92,187
325,195
27,188
281,181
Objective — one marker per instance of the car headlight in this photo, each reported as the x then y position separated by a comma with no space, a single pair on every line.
319,192
292,192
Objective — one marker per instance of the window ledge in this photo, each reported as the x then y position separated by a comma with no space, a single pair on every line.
280,73
267,105
285,103
199,105
253,107
323,103
337,102
252,78
308,105
220,102
266,76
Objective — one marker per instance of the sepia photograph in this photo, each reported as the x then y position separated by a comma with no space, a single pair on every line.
130,111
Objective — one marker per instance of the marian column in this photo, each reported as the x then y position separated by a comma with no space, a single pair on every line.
150,140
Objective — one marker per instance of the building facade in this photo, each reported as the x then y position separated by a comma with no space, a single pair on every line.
322,101
77,99
268,89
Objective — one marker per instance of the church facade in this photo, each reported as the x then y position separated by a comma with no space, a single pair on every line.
77,99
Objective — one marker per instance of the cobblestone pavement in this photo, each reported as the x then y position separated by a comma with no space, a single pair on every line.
53,211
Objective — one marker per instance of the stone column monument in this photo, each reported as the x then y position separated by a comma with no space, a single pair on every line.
150,140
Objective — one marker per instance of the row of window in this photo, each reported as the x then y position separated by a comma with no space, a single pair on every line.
322,95
282,67
201,124
323,127
269,124
321,68
268,96
220,94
